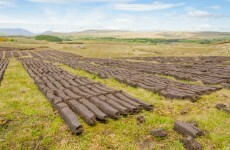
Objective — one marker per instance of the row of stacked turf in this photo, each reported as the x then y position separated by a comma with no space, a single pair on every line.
16,54
184,59
208,72
166,87
71,95
3,65
131,73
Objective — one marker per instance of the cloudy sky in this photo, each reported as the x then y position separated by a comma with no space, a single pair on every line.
136,15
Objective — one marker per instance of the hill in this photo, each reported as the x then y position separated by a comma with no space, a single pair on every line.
16,31
123,34
49,38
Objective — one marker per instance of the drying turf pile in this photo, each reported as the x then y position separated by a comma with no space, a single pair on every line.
72,95
142,74
8,48
185,60
211,72
10,52
166,87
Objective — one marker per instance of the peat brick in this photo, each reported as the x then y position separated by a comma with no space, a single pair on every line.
187,129
159,133
190,143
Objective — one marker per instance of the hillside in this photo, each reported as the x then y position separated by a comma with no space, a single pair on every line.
141,34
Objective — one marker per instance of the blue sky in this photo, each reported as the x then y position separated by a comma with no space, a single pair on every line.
135,15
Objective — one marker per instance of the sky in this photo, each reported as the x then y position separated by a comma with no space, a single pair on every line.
133,15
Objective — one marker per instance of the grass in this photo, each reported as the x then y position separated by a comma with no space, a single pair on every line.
111,49
27,120
181,80
48,38
30,122
155,40
214,122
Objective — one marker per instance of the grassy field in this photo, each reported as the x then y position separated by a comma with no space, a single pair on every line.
113,49
138,34
27,120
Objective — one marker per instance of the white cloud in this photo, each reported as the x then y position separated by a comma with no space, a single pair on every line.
69,23
203,27
145,7
6,19
3,18
216,7
193,12
6,3
77,1
124,19
101,17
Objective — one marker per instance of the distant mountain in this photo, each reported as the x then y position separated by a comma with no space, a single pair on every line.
100,31
15,31
49,33
151,34
122,34
84,32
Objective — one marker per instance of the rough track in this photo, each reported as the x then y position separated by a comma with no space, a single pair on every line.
70,95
